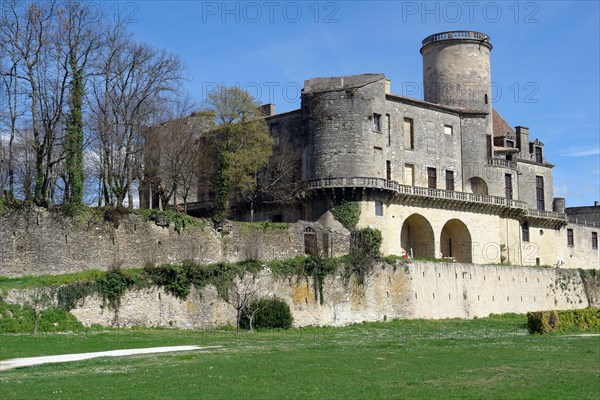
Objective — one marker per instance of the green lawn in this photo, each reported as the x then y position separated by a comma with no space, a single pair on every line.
493,358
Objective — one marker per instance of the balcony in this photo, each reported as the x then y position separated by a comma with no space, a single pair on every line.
360,182
423,196
547,218
502,163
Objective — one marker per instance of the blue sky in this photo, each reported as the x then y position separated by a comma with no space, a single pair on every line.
545,61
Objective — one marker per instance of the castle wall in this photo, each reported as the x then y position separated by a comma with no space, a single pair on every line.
456,73
43,242
339,120
490,239
476,151
484,230
432,147
586,213
549,246
495,178
527,184
405,290
510,235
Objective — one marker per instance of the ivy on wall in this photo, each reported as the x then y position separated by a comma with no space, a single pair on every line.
177,279
347,213
111,286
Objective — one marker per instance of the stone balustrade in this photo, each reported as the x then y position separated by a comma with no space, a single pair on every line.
386,184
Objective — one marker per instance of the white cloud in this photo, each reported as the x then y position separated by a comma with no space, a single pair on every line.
582,152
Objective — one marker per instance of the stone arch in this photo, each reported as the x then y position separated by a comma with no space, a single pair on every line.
455,241
417,235
477,185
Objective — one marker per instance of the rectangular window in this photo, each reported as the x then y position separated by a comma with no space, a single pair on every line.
409,137
508,191
388,170
525,231
539,192
449,180
570,238
275,131
431,178
409,174
448,129
388,121
377,122
379,208
538,154
594,240
510,143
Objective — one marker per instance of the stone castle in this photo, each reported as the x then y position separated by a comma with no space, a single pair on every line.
443,177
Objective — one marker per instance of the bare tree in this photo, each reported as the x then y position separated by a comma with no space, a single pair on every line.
130,80
241,293
170,153
34,38
277,182
10,111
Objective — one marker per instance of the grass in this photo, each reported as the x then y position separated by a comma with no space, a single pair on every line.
31,281
451,359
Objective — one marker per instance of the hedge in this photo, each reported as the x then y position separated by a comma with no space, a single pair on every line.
564,320
269,313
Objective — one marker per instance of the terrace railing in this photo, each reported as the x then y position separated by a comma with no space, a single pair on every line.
386,184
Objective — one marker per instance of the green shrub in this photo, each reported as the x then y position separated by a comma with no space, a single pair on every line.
564,320
347,213
15,318
57,320
266,313
172,277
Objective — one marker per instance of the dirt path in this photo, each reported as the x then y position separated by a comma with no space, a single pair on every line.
30,361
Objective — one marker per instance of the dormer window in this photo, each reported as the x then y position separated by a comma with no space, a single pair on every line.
538,154
509,143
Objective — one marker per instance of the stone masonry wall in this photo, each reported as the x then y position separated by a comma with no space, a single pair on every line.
406,290
40,242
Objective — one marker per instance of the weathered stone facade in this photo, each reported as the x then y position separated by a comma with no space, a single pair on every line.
405,290
39,241
450,157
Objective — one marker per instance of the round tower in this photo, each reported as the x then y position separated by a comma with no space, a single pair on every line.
456,70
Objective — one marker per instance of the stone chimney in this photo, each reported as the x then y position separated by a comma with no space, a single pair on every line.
268,109
523,142
388,87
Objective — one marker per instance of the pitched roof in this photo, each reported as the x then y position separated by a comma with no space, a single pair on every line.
501,127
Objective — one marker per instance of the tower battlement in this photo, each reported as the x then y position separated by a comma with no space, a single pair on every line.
478,37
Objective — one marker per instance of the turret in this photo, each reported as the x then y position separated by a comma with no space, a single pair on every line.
456,70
